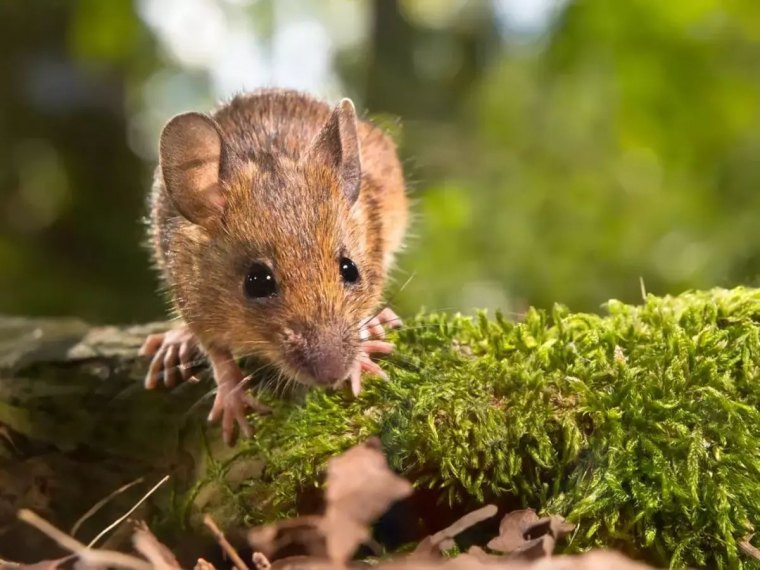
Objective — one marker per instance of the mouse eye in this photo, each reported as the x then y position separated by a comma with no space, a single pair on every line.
259,282
348,270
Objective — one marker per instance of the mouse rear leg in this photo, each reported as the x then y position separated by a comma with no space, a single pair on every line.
176,354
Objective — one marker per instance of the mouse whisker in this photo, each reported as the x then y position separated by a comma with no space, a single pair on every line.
388,302
401,361
405,327
194,406
364,323
401,289
281,383
287,384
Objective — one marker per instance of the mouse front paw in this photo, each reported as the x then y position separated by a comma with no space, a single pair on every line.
231,404
175,356
232,401
373,327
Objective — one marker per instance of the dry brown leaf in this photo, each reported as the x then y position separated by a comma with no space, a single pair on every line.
523,534
512,529
442,540
305,531
359,488
554,525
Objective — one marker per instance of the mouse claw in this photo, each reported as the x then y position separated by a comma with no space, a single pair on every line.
151,345
230,405
364,364
232,402
173,357
375,327
376,346
355,380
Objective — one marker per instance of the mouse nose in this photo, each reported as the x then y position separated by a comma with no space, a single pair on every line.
323,354
327,366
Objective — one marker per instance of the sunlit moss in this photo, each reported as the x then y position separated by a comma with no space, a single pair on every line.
643,425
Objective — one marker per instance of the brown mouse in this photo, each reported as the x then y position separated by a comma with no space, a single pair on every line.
274,221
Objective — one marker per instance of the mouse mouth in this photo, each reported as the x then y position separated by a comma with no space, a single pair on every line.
319,356
324,373
307,377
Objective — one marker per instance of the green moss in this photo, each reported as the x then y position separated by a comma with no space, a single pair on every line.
642,426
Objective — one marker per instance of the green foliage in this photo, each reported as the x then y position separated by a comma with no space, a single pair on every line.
643,425
621,143
623,146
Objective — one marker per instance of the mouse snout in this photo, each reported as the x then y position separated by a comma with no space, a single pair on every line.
322,354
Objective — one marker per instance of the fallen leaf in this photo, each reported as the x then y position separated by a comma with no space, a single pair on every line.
554,525
512,529
523,534
359,488
442,540
304,531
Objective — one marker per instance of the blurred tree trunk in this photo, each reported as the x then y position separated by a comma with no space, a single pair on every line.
420,72
65,162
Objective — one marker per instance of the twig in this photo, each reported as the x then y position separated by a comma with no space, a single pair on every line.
118,521
226,546
86,554
97,506
750,550
465,522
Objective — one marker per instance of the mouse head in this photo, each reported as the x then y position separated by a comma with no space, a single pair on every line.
286,257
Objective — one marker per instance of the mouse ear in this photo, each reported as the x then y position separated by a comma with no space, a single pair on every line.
191,154
337,146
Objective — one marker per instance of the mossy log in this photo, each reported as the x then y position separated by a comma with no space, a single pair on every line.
642,426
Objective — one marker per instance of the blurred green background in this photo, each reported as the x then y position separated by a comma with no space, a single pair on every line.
556,150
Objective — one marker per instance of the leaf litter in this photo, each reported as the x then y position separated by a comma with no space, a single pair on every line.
359,488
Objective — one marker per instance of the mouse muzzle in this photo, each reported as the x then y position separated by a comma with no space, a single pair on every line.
320,355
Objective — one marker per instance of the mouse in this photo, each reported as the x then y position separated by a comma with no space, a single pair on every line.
274,221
